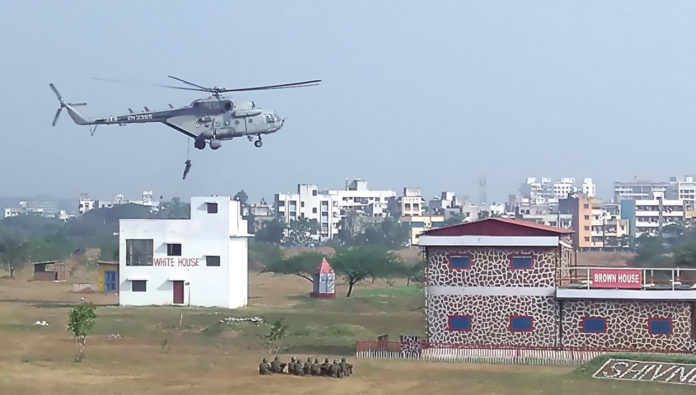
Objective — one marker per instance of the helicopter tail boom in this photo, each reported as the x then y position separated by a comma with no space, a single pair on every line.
74,114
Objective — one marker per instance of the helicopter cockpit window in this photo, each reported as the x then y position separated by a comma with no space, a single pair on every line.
269,118
228,106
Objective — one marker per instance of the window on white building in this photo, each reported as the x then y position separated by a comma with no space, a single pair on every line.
139,286
212,208
212,260
139,252
173,249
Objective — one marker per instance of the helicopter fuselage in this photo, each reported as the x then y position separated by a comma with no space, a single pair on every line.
208,120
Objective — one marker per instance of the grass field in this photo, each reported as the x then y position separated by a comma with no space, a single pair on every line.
172,350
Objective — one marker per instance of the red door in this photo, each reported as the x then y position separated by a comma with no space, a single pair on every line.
178,292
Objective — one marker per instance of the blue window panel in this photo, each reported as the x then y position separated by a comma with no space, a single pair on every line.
521,262
460,262
521,324
460,323
594,325
660,326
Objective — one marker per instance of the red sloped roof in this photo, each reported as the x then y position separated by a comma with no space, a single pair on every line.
499,227
324,267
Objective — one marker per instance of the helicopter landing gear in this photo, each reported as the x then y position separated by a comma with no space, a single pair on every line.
199,144
258,143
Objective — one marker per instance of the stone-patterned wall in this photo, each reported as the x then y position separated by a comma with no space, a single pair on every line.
490,267
490,320
627,325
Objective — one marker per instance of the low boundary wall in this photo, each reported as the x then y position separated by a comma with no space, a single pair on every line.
479,354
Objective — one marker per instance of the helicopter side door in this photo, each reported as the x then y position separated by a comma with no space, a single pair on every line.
238,125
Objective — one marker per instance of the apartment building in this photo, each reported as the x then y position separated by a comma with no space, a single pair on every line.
650,216
329,207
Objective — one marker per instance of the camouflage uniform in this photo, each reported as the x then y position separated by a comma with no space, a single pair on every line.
277,366
333,369
325,367
264,367
345,369
291,366
316,368
307,369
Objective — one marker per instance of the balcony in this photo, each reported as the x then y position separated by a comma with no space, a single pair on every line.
627,283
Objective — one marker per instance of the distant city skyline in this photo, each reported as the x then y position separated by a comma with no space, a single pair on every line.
414,95
606,193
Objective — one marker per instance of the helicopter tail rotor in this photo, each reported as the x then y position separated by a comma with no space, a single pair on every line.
62,103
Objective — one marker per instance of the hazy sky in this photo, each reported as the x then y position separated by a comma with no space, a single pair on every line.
428,94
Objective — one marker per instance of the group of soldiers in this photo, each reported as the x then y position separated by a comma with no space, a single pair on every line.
309,368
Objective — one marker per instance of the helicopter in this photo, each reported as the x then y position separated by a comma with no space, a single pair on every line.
208,121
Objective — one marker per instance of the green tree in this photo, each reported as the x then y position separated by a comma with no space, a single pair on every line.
263,254
301,265
359,263
454,220
80,323
651,252
389,233
13,253
272,232
275,335
483,214
413,273
302,229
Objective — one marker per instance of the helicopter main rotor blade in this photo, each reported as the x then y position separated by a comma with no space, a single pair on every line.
53,87
139,83
55,119
279,86
188,83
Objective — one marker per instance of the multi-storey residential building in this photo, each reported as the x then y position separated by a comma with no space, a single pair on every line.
596,225
446,200
411,203
683,189
329,207
637,189
564,187
544,191
589,188
650,216
418,224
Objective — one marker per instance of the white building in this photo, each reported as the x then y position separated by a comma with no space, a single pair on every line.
86,204
329,207
11,212
201,261
410,204
589,188
684,189
564,187
544,191
649,217
636,190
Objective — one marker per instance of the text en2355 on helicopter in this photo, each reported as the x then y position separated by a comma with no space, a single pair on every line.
210,120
